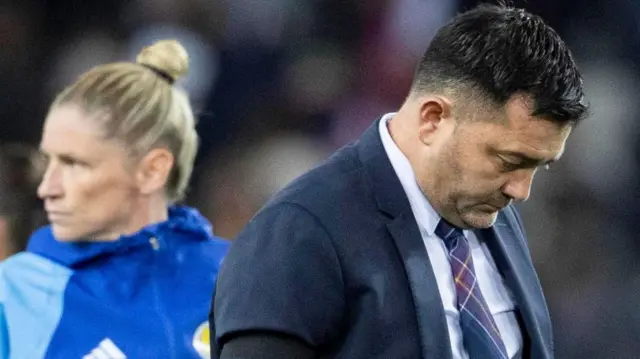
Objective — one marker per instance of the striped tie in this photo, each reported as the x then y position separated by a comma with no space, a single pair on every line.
480,334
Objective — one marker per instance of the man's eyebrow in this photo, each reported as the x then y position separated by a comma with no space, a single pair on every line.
529,160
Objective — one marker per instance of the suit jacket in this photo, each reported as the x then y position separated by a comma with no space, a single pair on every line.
336,260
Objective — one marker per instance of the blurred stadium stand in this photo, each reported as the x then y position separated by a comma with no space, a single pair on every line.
279,84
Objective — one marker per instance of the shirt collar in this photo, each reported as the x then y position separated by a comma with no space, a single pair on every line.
426,215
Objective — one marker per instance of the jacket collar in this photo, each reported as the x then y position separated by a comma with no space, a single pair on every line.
187,221
387,189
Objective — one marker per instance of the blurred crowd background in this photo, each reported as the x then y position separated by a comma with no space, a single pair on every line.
279,84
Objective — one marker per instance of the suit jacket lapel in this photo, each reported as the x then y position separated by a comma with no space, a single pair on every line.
431,319
514,262
392,201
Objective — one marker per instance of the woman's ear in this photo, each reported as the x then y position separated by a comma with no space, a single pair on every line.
153,170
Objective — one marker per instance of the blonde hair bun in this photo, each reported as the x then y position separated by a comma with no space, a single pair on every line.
168,57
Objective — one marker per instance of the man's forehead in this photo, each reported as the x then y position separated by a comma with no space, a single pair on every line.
537,138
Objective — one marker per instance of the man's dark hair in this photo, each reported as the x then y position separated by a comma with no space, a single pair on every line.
502,51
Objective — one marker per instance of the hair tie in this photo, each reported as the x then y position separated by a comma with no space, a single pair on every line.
160,73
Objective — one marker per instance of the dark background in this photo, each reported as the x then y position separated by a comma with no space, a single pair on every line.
279,84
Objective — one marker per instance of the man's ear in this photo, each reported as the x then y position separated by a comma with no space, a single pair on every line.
433,110
153,170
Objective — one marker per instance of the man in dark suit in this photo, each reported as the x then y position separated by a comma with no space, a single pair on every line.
405,244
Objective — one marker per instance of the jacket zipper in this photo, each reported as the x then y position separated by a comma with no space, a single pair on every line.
166,323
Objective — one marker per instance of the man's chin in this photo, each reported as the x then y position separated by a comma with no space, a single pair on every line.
479,220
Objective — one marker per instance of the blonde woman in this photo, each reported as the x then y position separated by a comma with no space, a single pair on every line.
122,271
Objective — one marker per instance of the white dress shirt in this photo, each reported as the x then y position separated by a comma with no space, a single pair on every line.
491,284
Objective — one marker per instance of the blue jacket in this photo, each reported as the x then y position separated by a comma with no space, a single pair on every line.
144,296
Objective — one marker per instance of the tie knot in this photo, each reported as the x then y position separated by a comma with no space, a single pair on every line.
447,231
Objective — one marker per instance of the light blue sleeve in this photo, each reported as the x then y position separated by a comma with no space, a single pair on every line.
4,336
31,304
